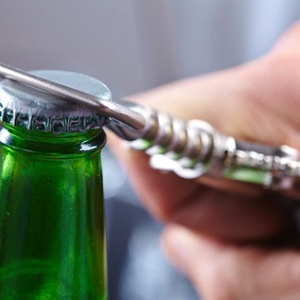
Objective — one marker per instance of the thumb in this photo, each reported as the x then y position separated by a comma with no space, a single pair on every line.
225,271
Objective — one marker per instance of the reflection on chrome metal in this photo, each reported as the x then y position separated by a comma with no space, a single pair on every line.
111,109
190,149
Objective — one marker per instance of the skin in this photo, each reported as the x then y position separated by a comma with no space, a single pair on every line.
233,243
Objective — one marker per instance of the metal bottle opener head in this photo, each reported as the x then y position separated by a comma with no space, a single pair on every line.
190,149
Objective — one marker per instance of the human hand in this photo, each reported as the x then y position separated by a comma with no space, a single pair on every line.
223,247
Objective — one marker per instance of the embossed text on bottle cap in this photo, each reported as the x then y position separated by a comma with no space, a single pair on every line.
30,108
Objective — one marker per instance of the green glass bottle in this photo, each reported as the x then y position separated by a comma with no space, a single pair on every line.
52,230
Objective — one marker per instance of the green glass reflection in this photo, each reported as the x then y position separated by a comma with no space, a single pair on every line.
52,233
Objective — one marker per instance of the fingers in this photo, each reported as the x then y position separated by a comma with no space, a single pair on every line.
232,216
223,271
256,102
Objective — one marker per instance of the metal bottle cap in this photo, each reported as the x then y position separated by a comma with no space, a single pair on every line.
24,106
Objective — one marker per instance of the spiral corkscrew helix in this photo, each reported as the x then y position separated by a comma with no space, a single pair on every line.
187,148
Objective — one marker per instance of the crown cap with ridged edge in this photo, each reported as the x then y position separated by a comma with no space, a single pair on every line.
26,107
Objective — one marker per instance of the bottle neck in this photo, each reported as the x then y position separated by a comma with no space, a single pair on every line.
77,143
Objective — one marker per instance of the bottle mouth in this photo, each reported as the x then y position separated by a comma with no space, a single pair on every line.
35,110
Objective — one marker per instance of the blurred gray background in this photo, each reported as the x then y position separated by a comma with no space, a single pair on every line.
132,46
